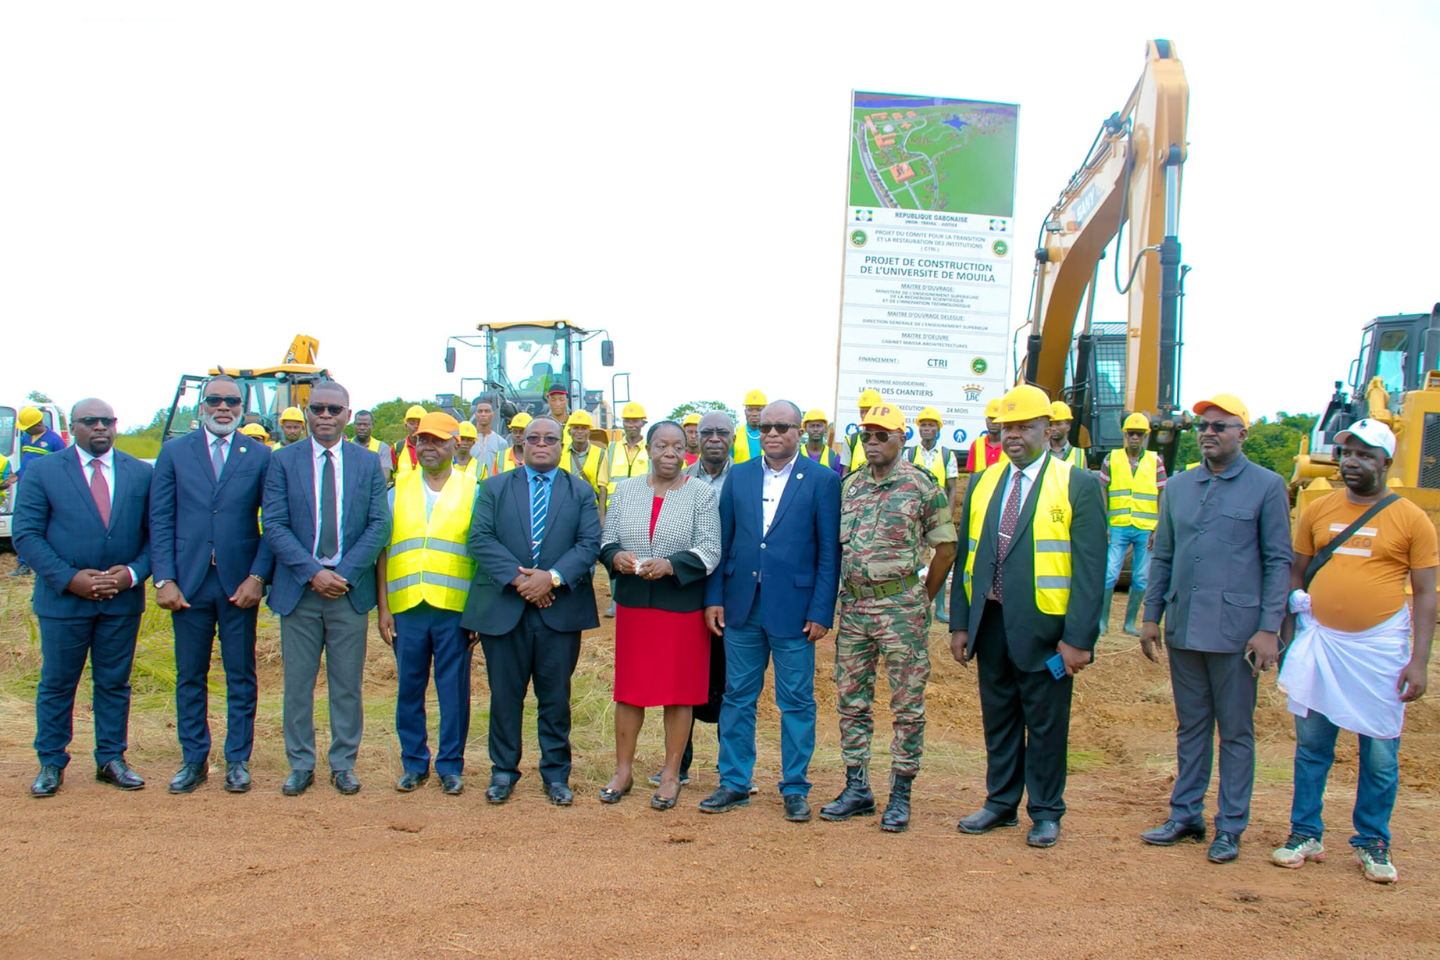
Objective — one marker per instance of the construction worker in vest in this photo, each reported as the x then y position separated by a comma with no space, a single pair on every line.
627,457
1133,478
36,441
816,445
364,422
691,426
292,428
943,465
465,459
559,400
406,457
855,458
514,455
985,451
585,459
423,578
747,442
1060,421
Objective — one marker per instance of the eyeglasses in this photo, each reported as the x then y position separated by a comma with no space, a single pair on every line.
334,409
1214,426
536,440
96,421
780,428
714,432
880,436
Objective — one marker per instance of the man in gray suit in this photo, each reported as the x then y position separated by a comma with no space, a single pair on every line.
1220,574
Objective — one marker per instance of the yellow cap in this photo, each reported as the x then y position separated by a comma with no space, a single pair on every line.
29,417
1137,421
1060,410
1024,403
814,415
691,421
292,415
992,409
521,421
868,399
415,413
437,424
1227,402
579,419
255,430
885,417
632,411
755,398
931,414
467,429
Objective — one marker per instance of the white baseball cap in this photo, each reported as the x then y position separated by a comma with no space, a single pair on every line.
1371,432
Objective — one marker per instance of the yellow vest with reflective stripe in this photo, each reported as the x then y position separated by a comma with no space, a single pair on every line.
1076,457
402,460
827,456
590,469
620,461
473,469
427,560
3,464
937,469
1050,528
506,462
1134,501
740,449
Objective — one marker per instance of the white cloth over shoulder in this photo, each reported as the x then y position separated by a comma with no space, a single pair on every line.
1349,677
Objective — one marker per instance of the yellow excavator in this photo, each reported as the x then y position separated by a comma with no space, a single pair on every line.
267,391
1131,175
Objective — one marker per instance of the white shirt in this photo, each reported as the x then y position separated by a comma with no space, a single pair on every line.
1028,476
952,466
773,490
317,453
107,470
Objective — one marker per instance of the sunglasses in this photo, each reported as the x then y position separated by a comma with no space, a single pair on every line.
1214,426
213,402
714,432
534,440
96,421
879,436
334,409
780,428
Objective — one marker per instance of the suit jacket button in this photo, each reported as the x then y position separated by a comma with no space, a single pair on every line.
762,546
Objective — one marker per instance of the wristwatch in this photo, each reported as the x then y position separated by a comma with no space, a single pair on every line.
555,579
160,583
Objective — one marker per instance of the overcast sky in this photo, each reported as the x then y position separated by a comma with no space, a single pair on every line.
186,184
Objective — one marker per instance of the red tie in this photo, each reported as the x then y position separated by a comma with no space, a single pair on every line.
1009,520
100,490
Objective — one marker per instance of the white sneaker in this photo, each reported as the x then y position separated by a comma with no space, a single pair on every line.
1295,851
1376,861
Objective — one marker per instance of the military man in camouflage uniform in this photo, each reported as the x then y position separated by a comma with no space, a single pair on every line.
890,511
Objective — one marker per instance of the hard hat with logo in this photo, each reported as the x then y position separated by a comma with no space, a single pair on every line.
1137,421
633,411
415,412
1227,402
931,414
868,399
255,430
755,398
521,421
29,417
1060,410
884,416
292,415
579,418
467,429
691,421
992,409
1024,403
438,424
814,415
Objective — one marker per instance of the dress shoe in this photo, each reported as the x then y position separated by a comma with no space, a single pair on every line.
47,782
190,776
237,777
724,799
897,811
559,793
499,790
1043,833
410,782
297,783
856,800
797,808
615,796
1225,848
1172,832
118,772
984,820
452,784
345,782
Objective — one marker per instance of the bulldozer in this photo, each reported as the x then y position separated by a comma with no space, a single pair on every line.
267,391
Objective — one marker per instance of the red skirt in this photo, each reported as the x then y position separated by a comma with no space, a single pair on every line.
661,658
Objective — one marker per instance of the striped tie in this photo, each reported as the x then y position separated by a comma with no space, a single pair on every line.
539,507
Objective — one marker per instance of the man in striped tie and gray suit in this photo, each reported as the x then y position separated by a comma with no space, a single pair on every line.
535,537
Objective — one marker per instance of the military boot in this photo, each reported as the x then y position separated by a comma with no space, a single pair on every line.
855,800
1133,605
897,811
1105,612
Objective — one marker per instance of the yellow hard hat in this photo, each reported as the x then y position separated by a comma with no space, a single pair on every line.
521,421
1225,401
1024,403
633,411
415,412
931,414
814,415
992,409
29,417
868,399
255,430
579,418
467,429
755,398
1060,410
691,421
292,415
885,417
1137,421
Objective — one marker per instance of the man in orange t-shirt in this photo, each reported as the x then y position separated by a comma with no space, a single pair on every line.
1351,664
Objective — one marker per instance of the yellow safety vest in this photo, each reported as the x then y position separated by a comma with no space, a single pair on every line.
620,456
473,469
1134,501
1050,528
590,469
857,453
427,561
938,469
740,449
402,460
1076,457
506,462
275,445
827,456
3,464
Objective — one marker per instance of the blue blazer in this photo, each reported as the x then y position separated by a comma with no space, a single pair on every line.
289,505
193,517
500,542
798,561
57,530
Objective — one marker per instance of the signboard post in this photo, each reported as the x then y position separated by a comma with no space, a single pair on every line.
929,256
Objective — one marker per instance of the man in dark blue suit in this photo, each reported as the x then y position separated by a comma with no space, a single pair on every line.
210,568
82,522
536,536
326,520
773,596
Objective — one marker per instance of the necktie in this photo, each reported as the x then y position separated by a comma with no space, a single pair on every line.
100,490
1009,520
217,457
539,507
329,543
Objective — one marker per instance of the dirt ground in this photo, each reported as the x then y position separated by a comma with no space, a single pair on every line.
97,873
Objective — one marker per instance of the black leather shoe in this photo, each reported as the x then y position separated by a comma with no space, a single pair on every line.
897,811
297,783
499,790
984,820
724,799
411,782
797,808
559,794
856,800
1172,832
345,782
119,773
237,777
1225,848
47,782
190,776
1043,833
452,784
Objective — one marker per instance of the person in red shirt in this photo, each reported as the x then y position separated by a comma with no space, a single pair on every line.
989,441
